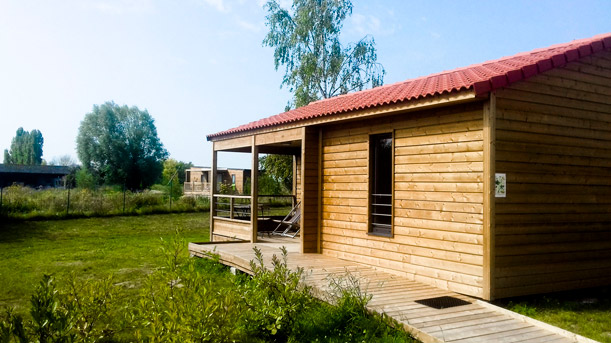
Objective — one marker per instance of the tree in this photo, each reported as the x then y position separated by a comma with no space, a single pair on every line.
119,145
279,168
171,167
306,42
64,160
26,148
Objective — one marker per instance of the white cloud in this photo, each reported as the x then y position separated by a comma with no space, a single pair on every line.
123,6
219,5
369,24
248,25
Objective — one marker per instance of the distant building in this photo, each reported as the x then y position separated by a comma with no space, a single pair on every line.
33,176
198,179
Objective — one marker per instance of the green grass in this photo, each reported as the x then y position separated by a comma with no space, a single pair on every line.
126,247
129,248
584,312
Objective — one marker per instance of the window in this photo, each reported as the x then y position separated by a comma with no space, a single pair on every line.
380,187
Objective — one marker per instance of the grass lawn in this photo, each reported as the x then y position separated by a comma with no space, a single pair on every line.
127,247
585,312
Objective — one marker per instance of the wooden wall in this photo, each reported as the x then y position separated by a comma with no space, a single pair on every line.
297,181
310,187
438,196
553,140
228,228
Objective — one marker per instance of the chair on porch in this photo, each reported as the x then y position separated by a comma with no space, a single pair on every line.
291,221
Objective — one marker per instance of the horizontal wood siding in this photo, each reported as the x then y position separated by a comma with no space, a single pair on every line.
297,182
553,141
309,205
438,197
232,228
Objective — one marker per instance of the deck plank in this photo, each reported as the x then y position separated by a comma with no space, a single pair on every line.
395,296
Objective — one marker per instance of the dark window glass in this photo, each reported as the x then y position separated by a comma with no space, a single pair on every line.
380,176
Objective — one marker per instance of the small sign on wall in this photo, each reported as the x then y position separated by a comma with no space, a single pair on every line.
500,185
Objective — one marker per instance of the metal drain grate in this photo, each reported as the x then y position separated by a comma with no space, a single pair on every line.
442,302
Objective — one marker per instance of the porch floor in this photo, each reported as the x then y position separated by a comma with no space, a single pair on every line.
396,296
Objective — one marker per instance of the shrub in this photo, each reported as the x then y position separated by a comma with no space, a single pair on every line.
198,300
180,303
28,203
274,297
79,312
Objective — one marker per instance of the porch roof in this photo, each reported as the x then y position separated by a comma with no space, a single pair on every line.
479,79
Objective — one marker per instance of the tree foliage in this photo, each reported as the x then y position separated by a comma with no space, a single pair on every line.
119,145
26,148
64,160
171,167
306,42
279,168
175,171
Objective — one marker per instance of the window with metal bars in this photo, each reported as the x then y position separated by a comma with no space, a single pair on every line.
380,188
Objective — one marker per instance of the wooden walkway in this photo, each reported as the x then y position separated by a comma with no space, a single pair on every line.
475,321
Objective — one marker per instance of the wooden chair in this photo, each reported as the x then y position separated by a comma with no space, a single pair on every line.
291,221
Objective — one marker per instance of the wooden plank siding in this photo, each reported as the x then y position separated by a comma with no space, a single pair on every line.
438,197
229,228
553,141
310,187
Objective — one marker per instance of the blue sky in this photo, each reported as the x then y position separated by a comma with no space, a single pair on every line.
198,66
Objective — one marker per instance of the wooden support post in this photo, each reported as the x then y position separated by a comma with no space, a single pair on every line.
212,191
231,203
294,180
320,176
254,192
302,200
489,199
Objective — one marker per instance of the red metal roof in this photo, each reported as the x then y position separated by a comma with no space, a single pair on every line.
481,78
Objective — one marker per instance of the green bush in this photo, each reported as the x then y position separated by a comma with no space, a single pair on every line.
27,203
199,300
274,298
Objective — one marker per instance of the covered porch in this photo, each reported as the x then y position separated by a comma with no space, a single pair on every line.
242,218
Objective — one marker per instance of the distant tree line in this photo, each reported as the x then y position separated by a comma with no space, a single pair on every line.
117,145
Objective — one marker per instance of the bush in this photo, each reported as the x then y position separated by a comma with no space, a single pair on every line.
84,179
274,298
80,312
199,300
29,203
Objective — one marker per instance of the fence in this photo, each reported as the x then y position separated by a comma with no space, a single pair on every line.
19,201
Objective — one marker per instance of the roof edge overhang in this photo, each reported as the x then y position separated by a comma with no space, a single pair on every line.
439,100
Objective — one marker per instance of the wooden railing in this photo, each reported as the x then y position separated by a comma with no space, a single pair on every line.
235,207
197,187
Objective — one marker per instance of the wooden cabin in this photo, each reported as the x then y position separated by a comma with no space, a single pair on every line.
198,180
492,180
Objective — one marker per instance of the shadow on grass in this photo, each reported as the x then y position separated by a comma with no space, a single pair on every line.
576,301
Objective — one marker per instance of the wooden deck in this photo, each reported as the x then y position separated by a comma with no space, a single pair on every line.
396,296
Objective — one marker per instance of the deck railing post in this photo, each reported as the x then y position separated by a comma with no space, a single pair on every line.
231,212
